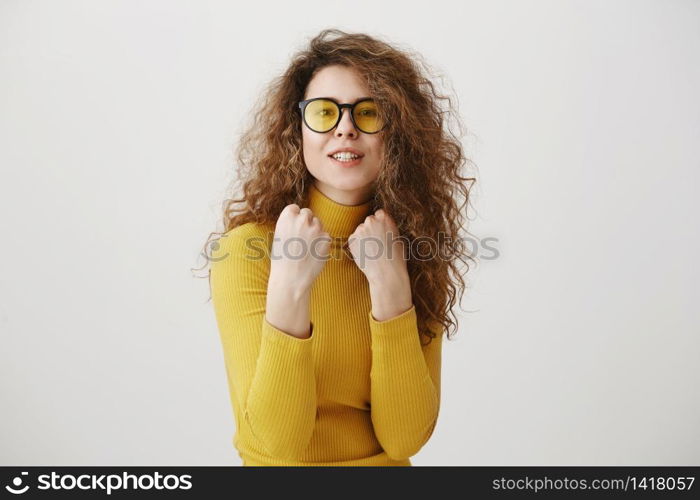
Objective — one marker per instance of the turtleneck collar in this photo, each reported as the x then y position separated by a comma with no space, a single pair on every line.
338,220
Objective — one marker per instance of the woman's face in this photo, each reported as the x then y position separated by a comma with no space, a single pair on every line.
348,185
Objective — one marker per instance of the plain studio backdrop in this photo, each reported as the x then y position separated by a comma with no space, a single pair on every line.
578,340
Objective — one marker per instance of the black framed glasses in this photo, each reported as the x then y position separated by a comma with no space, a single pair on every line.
322,114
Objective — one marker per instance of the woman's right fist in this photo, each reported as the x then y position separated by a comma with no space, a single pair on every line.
300,248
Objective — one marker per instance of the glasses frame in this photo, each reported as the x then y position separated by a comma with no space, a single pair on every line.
302,106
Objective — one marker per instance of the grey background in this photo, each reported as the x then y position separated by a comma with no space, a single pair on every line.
117,123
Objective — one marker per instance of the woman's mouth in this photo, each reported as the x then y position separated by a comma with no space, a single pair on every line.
345,160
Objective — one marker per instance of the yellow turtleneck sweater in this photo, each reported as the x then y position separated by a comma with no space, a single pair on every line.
357,392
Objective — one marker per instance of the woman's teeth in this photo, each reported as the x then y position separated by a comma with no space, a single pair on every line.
345,156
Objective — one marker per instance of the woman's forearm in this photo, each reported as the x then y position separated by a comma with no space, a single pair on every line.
287,307
390,297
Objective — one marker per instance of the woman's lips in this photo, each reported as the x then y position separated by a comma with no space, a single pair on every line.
350,163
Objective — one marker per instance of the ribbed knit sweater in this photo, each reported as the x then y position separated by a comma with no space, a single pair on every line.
357,392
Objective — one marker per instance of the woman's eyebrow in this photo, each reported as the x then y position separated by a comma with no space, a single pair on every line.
338,100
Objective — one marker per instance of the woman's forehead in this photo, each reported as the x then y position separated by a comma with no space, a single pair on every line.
337,82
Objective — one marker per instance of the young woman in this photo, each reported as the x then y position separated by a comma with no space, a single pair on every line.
331,312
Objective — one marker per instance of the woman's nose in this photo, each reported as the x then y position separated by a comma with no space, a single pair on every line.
345,126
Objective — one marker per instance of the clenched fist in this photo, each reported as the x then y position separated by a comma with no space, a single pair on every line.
299,250
377,249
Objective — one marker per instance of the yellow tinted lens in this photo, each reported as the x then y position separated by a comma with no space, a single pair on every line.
367,117
321,115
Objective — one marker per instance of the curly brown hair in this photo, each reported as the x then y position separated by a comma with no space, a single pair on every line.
420,175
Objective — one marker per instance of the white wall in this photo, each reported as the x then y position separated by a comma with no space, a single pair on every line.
117,122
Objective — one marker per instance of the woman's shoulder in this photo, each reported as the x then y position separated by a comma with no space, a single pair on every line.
250,229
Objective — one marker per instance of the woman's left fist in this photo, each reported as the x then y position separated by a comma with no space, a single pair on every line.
378,250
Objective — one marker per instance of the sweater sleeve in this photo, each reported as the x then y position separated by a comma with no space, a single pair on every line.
270,373
405,384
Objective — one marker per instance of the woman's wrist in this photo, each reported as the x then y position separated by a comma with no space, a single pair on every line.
390,297
287,286
288,313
